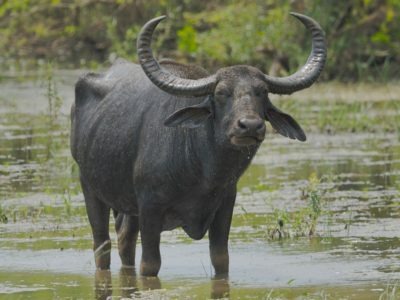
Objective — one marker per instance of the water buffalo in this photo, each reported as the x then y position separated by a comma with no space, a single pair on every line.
164,144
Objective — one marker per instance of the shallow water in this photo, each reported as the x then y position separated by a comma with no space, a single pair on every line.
353,253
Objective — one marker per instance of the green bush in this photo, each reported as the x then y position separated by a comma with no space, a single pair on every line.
362,35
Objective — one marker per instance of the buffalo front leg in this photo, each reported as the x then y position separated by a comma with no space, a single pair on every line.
218,235
99,217
127,228
150,222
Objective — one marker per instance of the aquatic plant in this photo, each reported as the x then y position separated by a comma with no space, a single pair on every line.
54,99
57,142
392,292
3,216
302,222
314,202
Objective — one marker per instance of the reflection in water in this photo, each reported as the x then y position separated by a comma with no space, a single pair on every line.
150,283
30,149
132,286
128,286
103,284
128,281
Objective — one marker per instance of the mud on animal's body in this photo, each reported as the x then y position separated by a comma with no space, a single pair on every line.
164,144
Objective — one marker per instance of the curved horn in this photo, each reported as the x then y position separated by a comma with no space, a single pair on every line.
161,77
309,73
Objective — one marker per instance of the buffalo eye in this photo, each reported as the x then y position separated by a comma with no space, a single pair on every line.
260,91
223,92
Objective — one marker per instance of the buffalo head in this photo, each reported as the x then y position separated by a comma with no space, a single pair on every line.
236,97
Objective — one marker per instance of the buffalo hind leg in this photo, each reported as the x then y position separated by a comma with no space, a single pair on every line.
127,228
218,235
99,217
150,222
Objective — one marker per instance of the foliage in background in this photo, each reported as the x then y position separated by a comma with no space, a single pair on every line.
363,35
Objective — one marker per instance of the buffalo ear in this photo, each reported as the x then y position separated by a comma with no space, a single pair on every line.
190,117
284,124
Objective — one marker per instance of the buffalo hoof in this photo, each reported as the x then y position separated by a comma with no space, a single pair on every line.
149,269
220,287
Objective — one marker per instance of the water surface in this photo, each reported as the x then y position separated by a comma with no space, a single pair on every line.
314,220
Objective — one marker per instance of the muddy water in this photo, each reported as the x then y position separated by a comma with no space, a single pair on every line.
341,185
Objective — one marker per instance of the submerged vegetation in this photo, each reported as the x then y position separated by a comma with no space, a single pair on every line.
365,108
3,216
362,34
54,173
284,223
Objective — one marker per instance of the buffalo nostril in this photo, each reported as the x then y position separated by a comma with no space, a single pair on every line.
242,124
